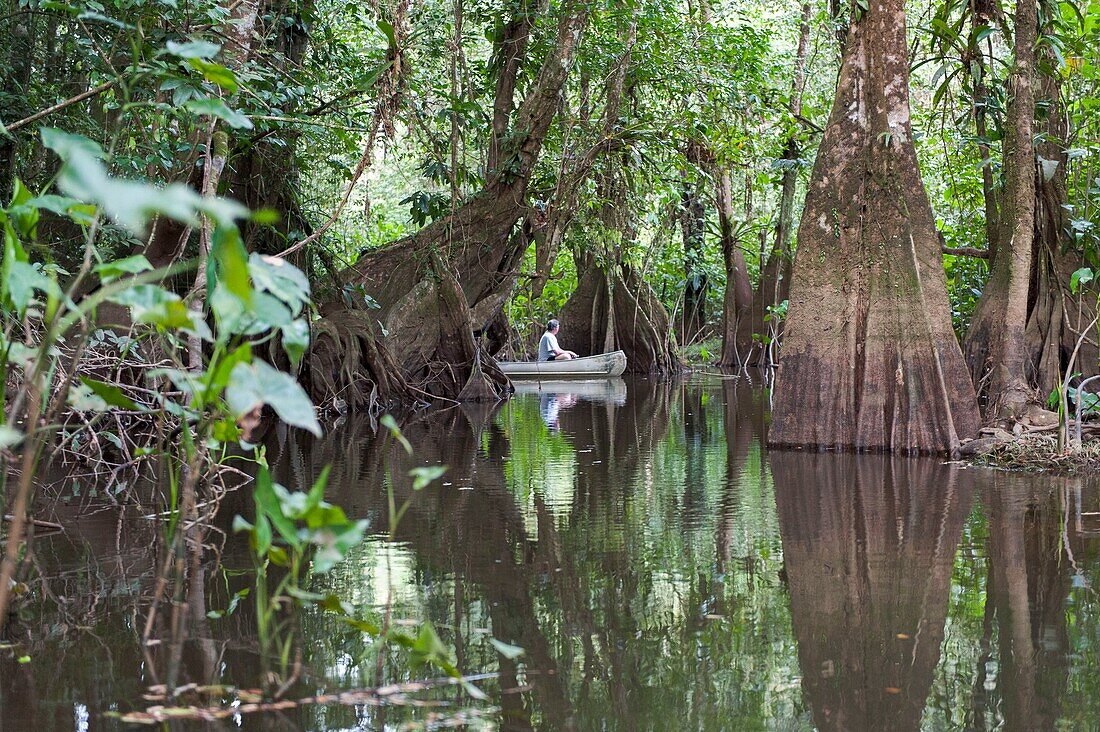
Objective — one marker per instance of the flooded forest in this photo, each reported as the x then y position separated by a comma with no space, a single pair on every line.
550,364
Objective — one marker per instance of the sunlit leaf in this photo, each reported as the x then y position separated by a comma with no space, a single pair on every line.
111,271
193,49
251,385
111,394
506,649
218,108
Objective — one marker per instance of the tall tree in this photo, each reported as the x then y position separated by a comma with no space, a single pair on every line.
1022,332
869,359
452,277
996,342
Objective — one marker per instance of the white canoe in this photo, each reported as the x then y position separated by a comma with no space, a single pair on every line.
604,364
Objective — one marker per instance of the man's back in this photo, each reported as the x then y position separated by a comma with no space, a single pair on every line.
548,346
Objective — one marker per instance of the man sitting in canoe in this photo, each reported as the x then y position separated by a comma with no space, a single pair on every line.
549,350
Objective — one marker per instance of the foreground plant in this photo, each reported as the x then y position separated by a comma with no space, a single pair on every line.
208,376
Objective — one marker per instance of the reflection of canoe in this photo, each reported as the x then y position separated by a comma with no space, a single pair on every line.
611,390
605,364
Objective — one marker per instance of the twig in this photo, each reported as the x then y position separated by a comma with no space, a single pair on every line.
61,105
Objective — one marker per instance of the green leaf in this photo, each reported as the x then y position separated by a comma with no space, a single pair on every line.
111,394
258,383
194,49
218,108
66,144
317,490
295,340
153,305
9,437
506,649
215,74
76,211
240,354
333,544
387,30
1081,277
111,271
390,424
228,252
423,476
22,279
269,505
280,278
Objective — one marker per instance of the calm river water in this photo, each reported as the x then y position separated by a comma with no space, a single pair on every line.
657,566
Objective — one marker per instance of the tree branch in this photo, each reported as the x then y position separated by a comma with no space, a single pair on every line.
966,252
61,105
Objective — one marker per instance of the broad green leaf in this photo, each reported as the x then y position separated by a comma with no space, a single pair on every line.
65,144
111,394
251,385
9,437
153,305
295,340
280,278
218,108
268,504
78,212
333,544
111,271
216,74
506,649
193,49
22,281
228,252
317,490
1081,277
23,216
225,366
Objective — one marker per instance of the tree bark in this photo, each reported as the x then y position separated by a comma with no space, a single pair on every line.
1020,337
996,345
614,308
693,223
869,360
738,297
563,207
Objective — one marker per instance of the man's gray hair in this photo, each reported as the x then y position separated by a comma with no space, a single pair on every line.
552,324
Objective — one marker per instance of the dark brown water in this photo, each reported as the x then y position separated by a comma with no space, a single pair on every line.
659,569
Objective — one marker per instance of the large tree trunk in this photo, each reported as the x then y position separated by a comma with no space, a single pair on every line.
996,348
613,308
1053,321
477,242
693,224
563,206
869,360
738,297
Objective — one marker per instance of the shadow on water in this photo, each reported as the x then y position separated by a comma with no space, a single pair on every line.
659,569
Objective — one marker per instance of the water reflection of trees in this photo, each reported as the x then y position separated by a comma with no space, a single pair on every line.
868,544
623,607
1029,581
